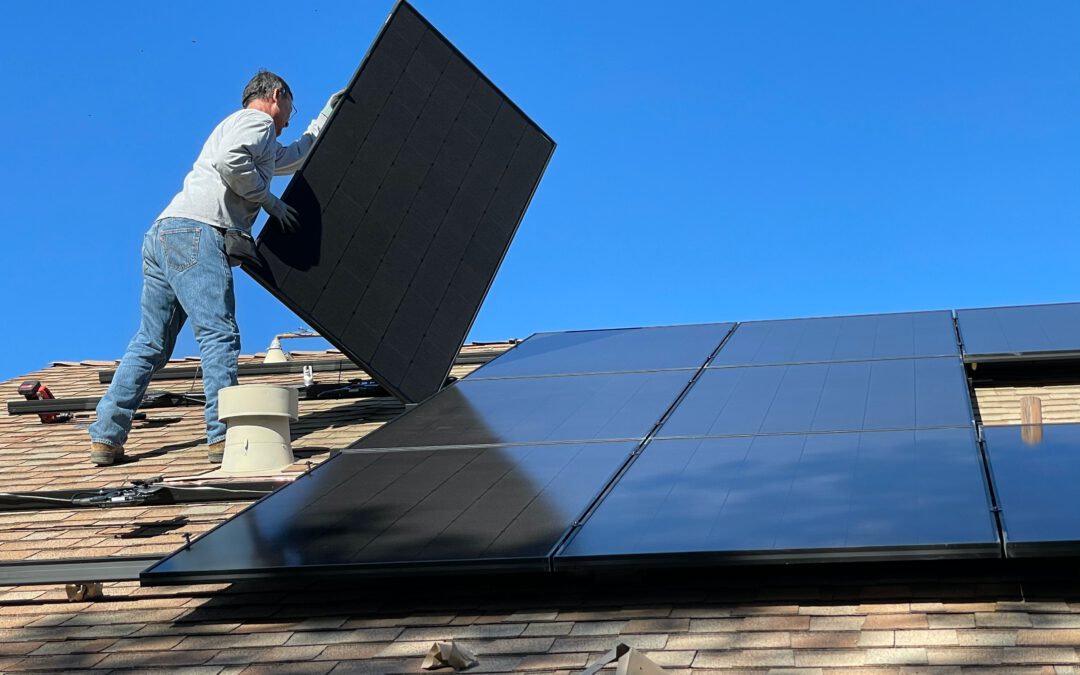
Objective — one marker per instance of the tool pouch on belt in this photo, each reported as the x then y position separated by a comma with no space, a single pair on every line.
240,249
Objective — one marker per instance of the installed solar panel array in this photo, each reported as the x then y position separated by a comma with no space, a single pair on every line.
491,473
811,439
642,446
408,202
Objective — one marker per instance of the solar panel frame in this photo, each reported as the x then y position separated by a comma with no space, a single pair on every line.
623,530
1020,332
403,320
492,509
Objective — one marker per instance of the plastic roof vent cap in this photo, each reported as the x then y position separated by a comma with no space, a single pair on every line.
257,417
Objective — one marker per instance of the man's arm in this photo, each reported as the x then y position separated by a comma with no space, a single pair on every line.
289,158
244,158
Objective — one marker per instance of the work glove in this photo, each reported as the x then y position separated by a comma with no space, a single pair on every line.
286,217
332,102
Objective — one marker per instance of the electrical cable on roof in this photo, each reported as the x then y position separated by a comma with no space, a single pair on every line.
47,499
96,526
140,492
216,489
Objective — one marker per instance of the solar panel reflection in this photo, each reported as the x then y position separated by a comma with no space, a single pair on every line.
449,510
794,497
1036,470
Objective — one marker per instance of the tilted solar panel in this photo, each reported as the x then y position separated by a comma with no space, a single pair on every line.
408,203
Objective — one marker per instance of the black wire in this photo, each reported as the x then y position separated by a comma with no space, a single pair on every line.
198,369
100,526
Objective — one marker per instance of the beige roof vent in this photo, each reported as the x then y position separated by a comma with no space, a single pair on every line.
257,440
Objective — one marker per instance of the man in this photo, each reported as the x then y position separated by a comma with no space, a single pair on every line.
185,269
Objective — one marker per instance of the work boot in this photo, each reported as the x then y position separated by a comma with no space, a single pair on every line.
104,454
215,452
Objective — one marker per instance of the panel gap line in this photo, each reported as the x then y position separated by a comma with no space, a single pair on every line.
991,491
538,376
727,366
477,446
959,336
594,504
814,433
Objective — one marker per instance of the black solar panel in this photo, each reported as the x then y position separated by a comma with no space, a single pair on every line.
452,509
786,498
1003,333
532,462
1036,471
409,200
851,396
842,338
536,410
604,351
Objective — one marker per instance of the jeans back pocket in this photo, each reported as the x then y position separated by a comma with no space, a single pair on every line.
181,248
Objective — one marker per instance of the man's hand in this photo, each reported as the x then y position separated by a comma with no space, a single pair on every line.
288,219
332,102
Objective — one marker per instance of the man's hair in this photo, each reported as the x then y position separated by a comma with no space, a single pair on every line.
263,85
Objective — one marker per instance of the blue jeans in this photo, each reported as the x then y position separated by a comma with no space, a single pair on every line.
185,273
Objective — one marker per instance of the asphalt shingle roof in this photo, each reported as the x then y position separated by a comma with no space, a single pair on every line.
902,618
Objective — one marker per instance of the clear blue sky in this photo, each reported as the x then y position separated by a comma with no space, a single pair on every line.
716,161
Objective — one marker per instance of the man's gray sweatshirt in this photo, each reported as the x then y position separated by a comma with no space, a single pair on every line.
230,180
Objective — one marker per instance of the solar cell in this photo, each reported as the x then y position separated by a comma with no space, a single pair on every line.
1003,333
1035,472
884,495
603,351
408,202
451,509
536,410
841,338
849,396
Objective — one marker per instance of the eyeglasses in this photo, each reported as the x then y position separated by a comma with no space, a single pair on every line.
280,95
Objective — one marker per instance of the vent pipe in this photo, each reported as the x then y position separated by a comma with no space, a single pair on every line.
275,354
1031,419
257,417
